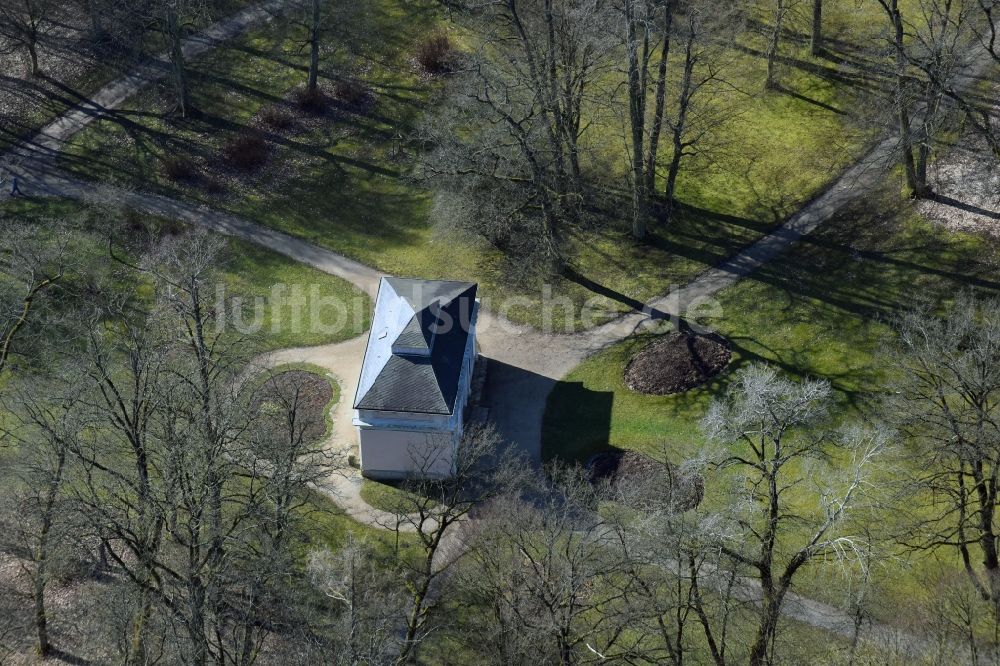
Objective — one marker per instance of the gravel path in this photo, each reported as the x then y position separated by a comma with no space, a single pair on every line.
524,363
53,136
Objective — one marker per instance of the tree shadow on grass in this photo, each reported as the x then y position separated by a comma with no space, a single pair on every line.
817,311
969,208
860,80
809,100
225,85
700,236
69,658
341,210
633,304
700,214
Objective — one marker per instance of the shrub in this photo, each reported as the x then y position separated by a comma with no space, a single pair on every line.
313,101
353,94
214,186
276,117
179,169
246,151
435,54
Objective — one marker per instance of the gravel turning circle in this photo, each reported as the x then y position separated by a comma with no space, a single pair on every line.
677,362
637,476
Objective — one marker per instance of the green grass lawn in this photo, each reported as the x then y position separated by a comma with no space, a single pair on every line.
391,497
287,303
72,71
818,312
287,314
342,181
383,495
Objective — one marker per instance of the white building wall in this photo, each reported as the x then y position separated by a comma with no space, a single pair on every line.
399,454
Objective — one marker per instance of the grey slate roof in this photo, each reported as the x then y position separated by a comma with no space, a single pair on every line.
419,332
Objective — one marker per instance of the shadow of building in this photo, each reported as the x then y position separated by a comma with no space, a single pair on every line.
516,398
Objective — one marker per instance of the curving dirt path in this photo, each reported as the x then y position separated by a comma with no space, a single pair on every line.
524,363
52,137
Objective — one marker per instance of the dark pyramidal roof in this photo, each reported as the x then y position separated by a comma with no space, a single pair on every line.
419,332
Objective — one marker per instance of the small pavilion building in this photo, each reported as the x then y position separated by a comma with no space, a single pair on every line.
416,378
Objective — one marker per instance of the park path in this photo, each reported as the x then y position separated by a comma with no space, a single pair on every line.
524,363
51,138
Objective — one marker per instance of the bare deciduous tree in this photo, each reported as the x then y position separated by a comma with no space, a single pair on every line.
25,22
433,509
549,579
931,47
648,28
781,11
195,491
282,459
702,27
510,155
33,261
371,620
172,21
947,400
46,425
677,584
770,427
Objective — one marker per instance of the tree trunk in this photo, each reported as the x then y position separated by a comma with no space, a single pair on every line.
923,154
42,647
96,26
140,622
986,498
314,48
931,104
555,118
767,629
148,543
660,98
816,38
772,46
179,66
418,609
902,108
32,46
772,594
196,625
672,171
906,145
637,119
683,104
